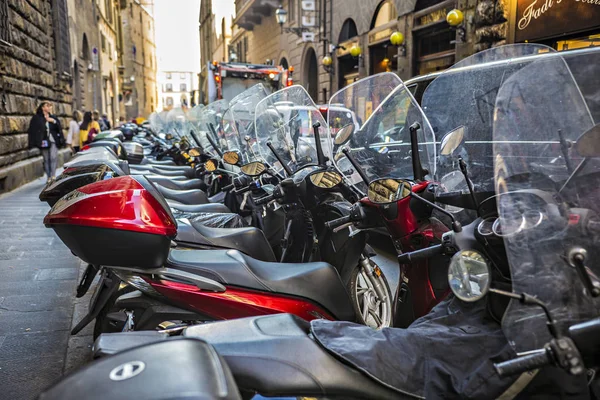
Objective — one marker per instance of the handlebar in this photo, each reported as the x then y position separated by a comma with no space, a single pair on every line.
264,200
244,189
338,222
526,363
228,187
416,255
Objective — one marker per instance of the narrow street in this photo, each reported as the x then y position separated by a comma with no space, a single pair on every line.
39,278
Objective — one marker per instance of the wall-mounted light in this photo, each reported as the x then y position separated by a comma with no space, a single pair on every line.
397,39
327,61
455,19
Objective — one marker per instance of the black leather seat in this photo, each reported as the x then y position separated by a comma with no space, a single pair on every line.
183,196
248,240
274,356
198,208
177,183
317,281
183,173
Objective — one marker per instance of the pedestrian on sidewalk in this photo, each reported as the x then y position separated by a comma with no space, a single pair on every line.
106,121
73,135
45,133
100,121
88,129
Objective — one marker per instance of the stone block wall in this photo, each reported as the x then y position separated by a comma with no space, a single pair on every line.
27,76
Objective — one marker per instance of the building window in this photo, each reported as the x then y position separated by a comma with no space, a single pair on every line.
169,75
103,42
110,52
292,11
169,87
60,21
109,11
4,22
183,87
169,101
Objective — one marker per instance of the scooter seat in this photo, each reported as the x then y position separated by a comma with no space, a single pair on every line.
185,173
274,356
316,281
177,183
154,161
199,208
194,196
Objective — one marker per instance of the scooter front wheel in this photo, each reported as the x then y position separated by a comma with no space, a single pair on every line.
371,309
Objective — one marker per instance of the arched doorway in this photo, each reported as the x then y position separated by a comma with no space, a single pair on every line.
347,65
382,56
311,74
284,63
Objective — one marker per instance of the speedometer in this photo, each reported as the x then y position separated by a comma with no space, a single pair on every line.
485,227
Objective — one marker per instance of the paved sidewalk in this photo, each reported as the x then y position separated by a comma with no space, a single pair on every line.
38,278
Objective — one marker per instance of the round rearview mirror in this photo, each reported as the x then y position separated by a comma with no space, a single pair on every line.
169,136
326,179
383,191
211,165
469,275
452,140
231,157
344,134
254,168
194,152
588,144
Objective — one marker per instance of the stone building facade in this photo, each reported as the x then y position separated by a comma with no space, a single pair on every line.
85,42
138,70
35,65
107,52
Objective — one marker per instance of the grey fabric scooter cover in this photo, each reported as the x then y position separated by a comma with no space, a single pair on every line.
448,353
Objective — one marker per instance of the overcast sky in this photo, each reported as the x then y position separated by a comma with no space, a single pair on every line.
177,37
177,32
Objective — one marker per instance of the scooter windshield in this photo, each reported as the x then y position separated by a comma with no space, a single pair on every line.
179,125
384,109
459,104
547,174
285,120
210,125
243,110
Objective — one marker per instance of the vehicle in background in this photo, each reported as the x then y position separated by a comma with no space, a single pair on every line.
340,117
231,79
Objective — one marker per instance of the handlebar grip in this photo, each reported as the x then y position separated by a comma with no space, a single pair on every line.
416,255
228,187
338,222
523,364
243,190
264,200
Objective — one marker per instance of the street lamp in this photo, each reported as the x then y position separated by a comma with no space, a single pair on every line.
281,16
397,39
455,19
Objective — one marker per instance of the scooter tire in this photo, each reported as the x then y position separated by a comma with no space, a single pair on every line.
351,287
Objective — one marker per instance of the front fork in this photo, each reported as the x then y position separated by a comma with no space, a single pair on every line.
372,272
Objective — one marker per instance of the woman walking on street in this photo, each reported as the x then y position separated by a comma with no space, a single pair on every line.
45,133
88,129
73,135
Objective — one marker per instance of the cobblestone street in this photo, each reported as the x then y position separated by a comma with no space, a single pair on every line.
37,291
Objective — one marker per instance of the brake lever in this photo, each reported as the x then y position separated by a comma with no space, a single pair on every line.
341,227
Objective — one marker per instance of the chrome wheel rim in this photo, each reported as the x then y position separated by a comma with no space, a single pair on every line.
375,312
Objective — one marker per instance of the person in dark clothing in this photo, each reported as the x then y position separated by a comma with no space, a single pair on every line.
106,121
45,133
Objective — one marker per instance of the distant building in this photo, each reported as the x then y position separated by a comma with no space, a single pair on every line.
175,88
108,58
138,61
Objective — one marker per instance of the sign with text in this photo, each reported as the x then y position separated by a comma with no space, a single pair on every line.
309,19
539,19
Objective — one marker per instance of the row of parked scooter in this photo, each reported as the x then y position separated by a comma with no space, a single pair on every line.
261,210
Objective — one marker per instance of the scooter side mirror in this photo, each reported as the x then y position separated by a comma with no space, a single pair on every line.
326,179
211,165
385,191
254,168
231,157
469,275
452,140
344,134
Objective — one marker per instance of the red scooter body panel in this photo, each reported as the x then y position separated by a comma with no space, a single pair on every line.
121,203
236,302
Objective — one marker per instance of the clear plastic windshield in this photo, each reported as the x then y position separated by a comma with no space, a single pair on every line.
285,119
243,110
210,125
549,205
157,123
383,109
179,125
461,102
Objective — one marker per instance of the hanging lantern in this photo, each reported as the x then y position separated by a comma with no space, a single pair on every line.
355,50
455,17
397,38
327,61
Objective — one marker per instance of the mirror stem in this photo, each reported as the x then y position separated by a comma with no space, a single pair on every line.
211,140
456,226
360,171
463,169
418,171
320,155
286,167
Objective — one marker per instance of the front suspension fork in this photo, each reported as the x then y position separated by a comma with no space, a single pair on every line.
370,272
